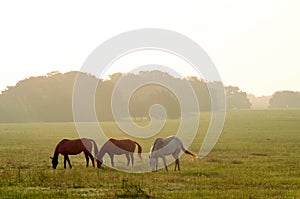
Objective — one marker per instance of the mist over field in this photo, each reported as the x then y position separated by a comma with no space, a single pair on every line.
49,98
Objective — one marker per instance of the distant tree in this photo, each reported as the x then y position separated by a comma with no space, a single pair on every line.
236,99
285,99
103,100
261,102
39,99
201,91
142,100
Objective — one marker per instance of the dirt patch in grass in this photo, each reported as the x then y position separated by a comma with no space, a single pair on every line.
259,154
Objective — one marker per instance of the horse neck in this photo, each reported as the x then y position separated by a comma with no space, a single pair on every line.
56,153
153,154
102,152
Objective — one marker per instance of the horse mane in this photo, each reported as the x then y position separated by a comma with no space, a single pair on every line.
154,145
157,144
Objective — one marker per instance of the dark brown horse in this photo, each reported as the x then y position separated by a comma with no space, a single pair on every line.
74,147
118,147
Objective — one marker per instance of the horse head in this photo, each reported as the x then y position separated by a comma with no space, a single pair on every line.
153,163
99,163
54,162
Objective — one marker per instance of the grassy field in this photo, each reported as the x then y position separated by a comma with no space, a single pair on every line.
257,156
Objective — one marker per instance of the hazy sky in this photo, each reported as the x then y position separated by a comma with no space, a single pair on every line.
254,44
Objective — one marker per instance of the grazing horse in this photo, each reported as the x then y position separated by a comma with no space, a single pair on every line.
74,147
118,147
166,146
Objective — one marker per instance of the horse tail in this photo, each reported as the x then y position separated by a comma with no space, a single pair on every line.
188,152
95,147
139,149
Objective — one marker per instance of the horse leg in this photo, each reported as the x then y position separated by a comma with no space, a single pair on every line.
128,159
112,160
156,164
92,159
69,162
65,161
132,158
87,159
177,164
175,156
66,158
165,163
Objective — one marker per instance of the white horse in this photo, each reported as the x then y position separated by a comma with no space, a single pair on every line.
166,146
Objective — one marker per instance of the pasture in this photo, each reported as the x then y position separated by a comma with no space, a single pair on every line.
257,156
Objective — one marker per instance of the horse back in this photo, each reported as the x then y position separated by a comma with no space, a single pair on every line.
73,147
126,144
166,146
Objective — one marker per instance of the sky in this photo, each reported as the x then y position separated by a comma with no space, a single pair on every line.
255,45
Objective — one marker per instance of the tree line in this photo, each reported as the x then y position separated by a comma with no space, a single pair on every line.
49,98
285,100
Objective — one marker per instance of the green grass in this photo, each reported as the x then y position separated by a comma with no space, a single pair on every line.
257,156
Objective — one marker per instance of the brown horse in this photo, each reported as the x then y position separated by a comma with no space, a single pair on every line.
74,147
118,147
